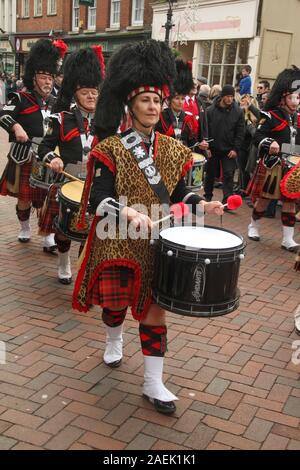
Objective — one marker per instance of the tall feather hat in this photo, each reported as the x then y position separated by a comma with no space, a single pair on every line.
82,69
147,66
43,57
286,83
184,78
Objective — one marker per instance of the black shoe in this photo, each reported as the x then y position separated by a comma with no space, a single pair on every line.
164,407
114,365
66,281
51,250
24,240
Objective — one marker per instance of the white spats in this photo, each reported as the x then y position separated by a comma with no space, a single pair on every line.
114,345
153,385
64,268
253,230
25,232
288,242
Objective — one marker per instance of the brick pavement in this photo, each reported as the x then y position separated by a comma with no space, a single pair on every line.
234,376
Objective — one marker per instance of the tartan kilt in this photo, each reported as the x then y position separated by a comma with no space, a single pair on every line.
114,288
255,187
25,192
49,211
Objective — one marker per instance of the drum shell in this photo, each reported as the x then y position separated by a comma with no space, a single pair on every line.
42,176
194,177
67,219
185,283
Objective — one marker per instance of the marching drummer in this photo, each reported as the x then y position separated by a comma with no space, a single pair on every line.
280,126
71,130
25,119
174,122
116,273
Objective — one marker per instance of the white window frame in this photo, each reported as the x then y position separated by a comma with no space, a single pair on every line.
38,8
113,3
75,15
223,64
25,8
134,21
51,7
92,17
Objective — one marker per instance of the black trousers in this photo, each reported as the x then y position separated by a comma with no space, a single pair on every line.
213,166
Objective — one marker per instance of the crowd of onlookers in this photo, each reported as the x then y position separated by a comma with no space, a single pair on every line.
8,83
233,116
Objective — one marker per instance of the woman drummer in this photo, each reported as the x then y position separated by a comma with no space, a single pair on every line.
71,130
174,122
116,272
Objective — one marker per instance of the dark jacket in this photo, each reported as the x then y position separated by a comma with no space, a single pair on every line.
226,126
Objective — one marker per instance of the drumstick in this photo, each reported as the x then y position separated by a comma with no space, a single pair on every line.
71,177
177,211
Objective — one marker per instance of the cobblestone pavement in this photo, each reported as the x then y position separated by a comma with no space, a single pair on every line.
234,375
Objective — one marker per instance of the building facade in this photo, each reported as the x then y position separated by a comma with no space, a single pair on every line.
221,36
110,23
7,30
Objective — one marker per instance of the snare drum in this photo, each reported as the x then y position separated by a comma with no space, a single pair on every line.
292,160
69,197
194,178
42,177
197,270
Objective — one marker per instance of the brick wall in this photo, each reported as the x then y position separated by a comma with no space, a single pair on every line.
63,19
44,22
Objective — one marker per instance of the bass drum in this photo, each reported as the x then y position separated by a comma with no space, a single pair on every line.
197,270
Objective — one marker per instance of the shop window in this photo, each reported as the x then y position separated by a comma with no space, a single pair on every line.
222,61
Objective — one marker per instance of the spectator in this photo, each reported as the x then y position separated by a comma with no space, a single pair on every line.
246,82
204,94
215,92
226,126
262,88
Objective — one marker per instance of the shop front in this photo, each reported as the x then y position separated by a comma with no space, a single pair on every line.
220,38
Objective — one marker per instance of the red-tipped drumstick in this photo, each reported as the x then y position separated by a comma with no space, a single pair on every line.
234,202
177,211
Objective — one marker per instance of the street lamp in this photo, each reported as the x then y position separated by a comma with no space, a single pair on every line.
169,24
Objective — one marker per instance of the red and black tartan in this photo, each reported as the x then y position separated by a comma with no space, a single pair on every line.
26,193
49,211
114,288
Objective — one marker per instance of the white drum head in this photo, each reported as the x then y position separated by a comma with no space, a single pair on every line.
201,238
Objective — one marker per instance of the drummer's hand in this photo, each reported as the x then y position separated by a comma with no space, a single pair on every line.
56,164
274,148
140,221
214,207
232,154
21,135
203,145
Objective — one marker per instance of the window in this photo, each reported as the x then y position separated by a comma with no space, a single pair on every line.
137,12
75,16
2,23
51,10
115,13
222,61
38,8
92,16
25,9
